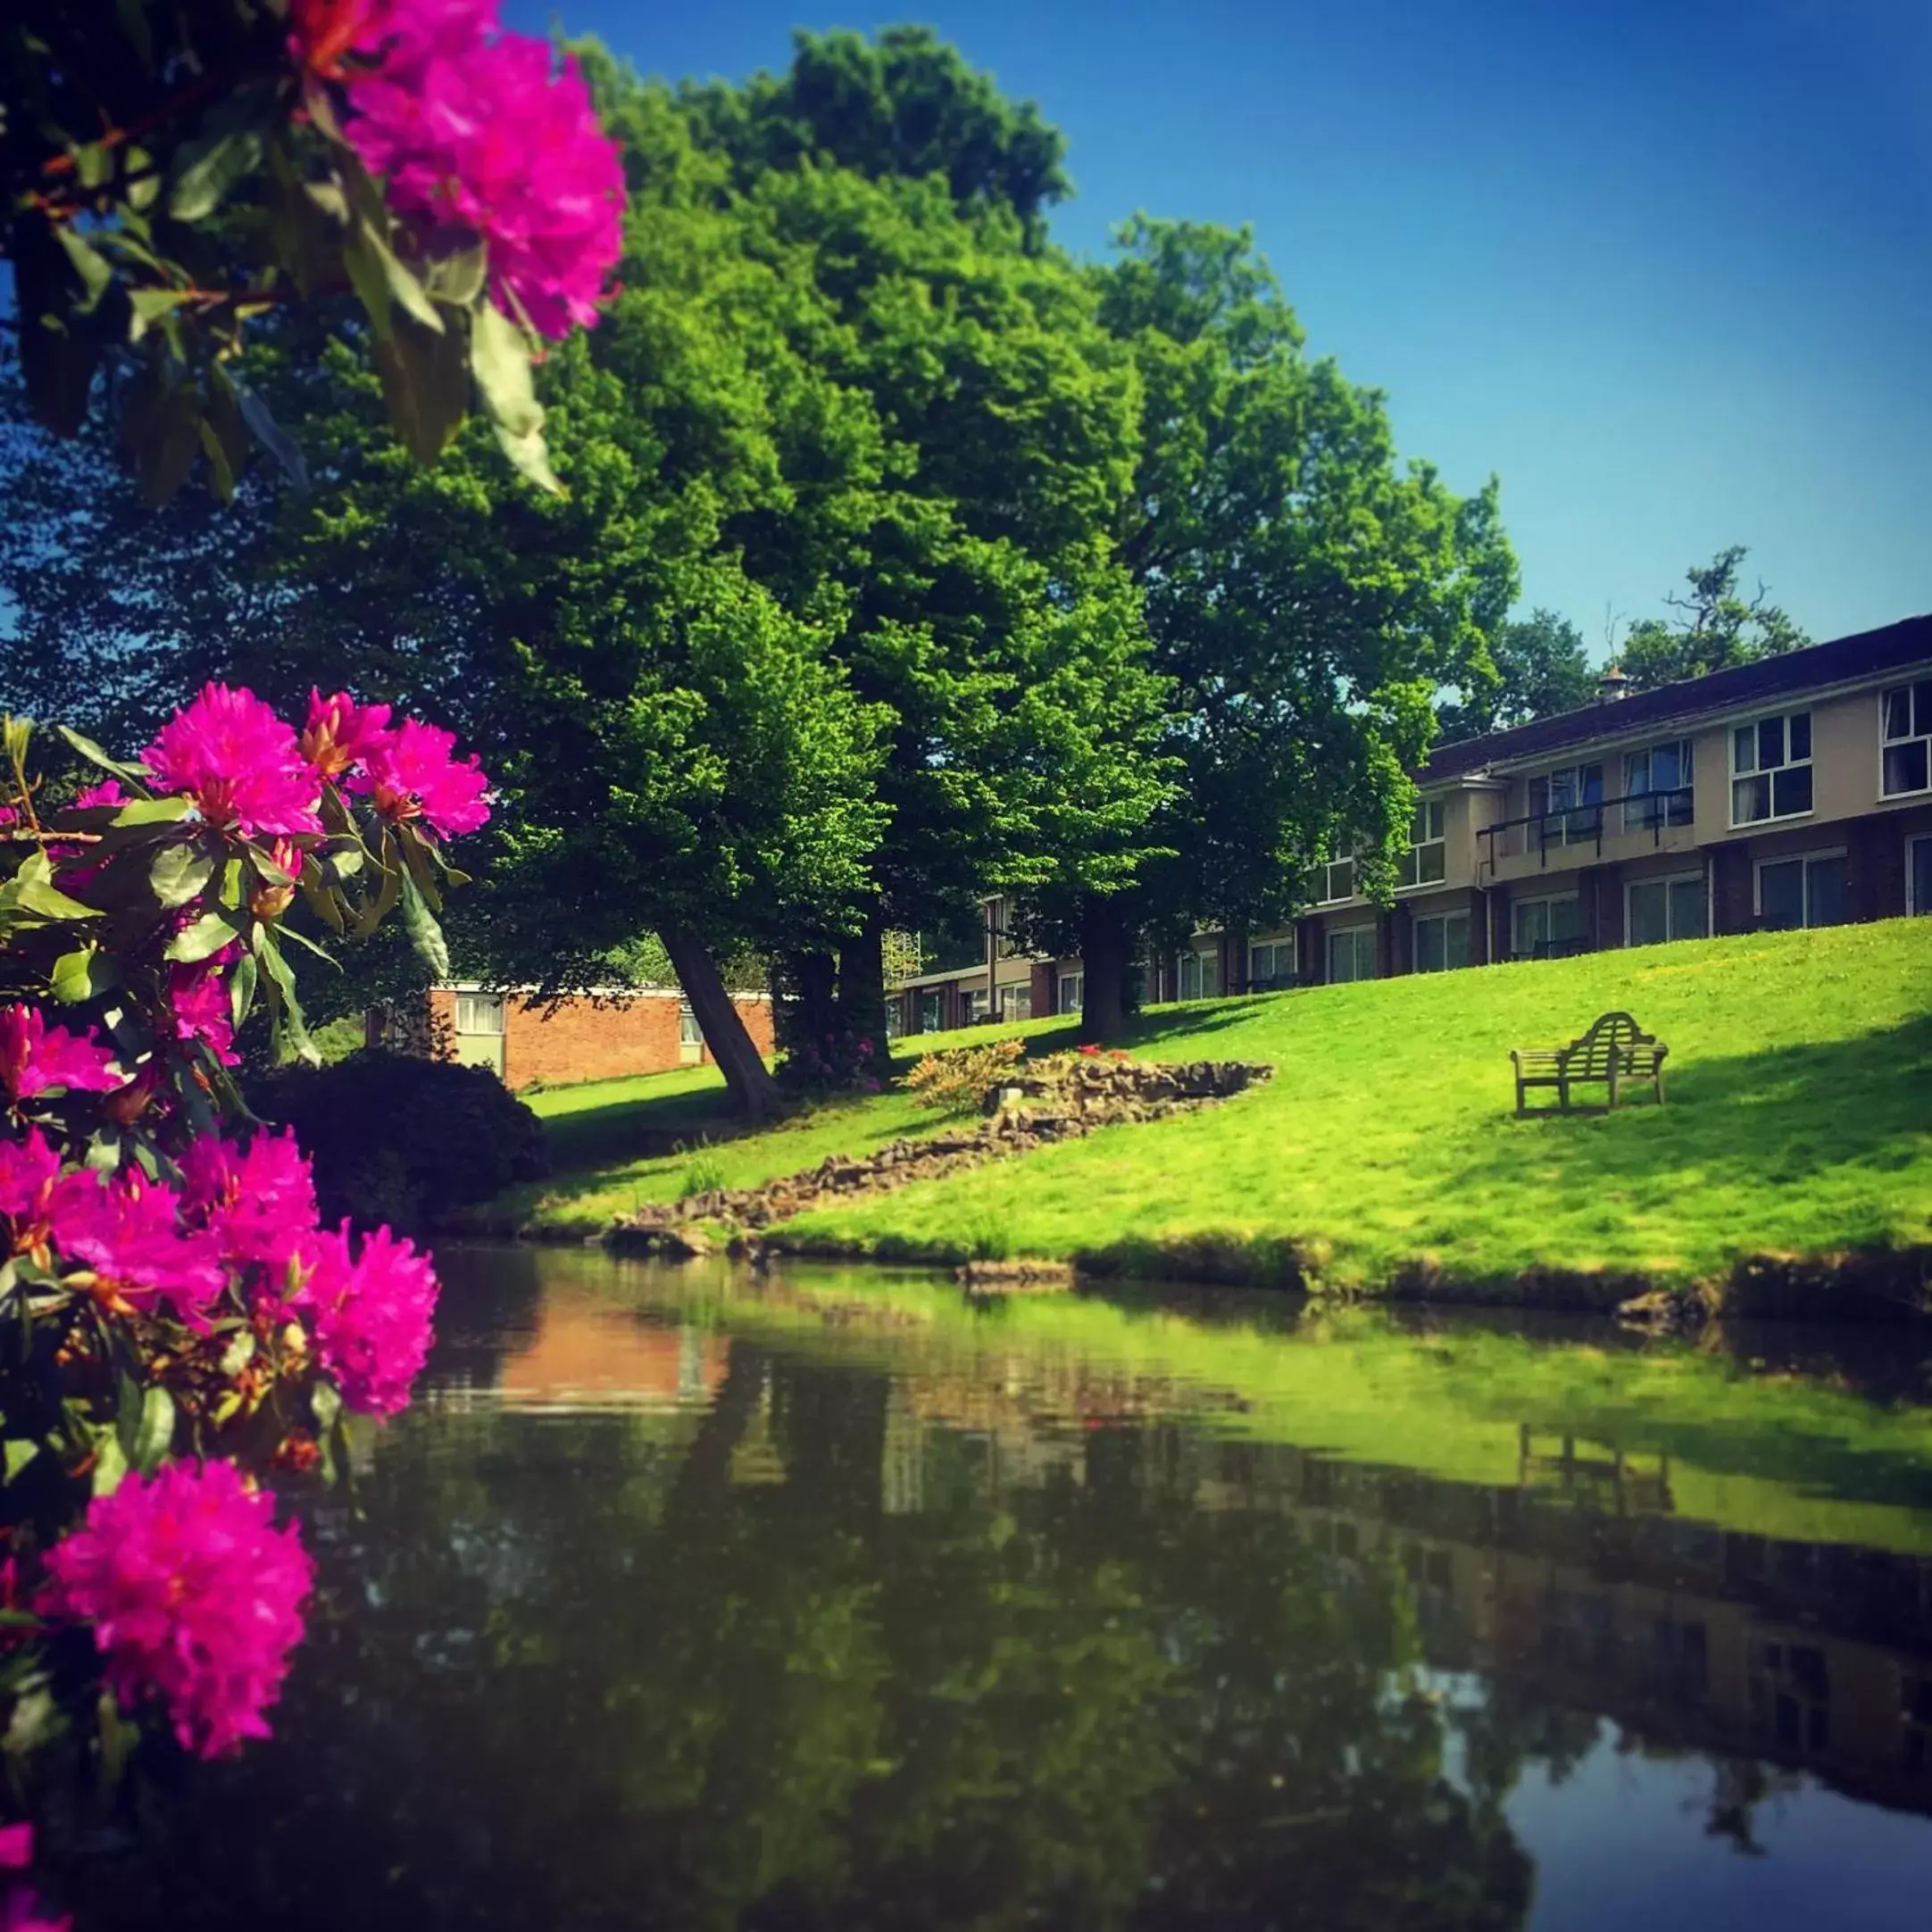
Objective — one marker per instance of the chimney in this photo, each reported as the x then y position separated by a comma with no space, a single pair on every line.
1611,686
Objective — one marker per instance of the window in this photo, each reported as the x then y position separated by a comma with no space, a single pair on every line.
1918,875
1200,975
977,1005
1351,955
1072,992
688,1034
1771,768
1442,942
1807,891
1427,861
932,1012
1659,909
1548,928
1333,881
1576,794
1016,1003
1657,784
1272,959
1905,728
480,1012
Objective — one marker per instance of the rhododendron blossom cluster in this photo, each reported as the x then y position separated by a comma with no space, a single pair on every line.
483,129
194,1594
35,1058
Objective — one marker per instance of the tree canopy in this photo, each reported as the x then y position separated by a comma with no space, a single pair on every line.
1713,629
1542,667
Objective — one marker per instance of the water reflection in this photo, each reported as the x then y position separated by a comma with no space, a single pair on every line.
687,1601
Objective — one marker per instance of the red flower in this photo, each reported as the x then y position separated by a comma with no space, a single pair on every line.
371,1316
28,1170
194,1594
198,999
257,1202
127,1230
408,773
339,731
1090,1050
108,792
240,763
35,1057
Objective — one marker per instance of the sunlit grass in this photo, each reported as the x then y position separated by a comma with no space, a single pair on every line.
1799,1122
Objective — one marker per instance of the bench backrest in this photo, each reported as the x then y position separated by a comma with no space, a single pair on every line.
1613,1033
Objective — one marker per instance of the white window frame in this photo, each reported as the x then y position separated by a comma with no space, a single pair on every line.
1431,822
1666,880
489,1004
1352,933
1567,833
1543,898
1910,692
1769,772
1441,919
1012,998
1068,1001
1644,817
1274,948
1793,858
1327,868
1912,907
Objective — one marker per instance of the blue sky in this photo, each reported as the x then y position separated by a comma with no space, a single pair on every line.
1665,268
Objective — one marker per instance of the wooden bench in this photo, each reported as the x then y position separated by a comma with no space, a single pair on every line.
1614,1052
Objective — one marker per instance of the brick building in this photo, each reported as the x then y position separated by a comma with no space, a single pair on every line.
598,1035
1793,792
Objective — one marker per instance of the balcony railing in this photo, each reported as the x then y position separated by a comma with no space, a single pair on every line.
1568,827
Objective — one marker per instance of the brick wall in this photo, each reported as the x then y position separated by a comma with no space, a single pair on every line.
582,1040
1731,896
1046,986
1875,867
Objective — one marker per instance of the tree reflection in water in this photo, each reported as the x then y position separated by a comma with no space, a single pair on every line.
791,1644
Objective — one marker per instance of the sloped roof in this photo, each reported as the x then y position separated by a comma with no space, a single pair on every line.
1866,653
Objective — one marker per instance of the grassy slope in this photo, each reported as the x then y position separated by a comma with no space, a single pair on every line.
1799,1122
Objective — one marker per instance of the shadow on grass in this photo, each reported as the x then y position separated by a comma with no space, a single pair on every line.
639,1129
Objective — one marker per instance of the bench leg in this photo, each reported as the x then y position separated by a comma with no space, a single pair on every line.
1614,1087
1562,1095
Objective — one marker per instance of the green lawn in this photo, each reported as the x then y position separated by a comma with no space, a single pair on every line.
1799,1122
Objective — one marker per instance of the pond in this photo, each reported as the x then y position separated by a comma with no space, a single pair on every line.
817,1599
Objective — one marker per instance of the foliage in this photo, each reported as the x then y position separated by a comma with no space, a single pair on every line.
959,1080
401,1138
1542,667
176,171
835,1063
704,1172
1714,628
177,1319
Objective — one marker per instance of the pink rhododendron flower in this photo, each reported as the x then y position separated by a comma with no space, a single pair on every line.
108,792
35,1057
194,1596
198,1000
128,1230
475,126
370,1314
257,1202
28,1170
240,763
339,732
409,773
16,1847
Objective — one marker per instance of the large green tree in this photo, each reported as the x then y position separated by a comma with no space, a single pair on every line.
1712,628
1542,667
1306,594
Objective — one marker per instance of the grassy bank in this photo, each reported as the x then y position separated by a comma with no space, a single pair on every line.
1799,1123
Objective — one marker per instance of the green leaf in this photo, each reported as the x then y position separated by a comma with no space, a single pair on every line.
96,275
457,277
325,1401
424,934
28,892
95,756
84,974
241,990
181,873
289,1023
302,939
208,168
153,1432
275,439
425,385
150,303
18,1454
56,364
207,935
153,812
110,1463
499,359
238,1354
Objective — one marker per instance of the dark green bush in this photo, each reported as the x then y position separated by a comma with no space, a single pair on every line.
403,1140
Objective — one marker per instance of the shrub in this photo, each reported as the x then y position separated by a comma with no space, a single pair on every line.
398,1139
704,1172
958,1080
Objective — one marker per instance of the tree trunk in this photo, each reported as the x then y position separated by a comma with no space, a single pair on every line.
754,1091
814,977
1103,968
862,983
